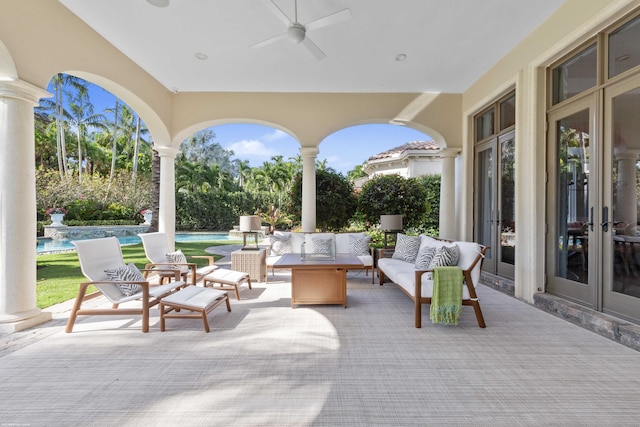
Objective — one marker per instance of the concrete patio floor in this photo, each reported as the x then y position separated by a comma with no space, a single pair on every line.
268,364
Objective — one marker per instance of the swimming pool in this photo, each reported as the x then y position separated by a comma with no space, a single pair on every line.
47,245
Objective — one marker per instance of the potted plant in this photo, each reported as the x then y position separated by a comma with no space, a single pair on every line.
148,216
57,215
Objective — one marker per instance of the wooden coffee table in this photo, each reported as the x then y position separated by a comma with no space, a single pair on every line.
318,280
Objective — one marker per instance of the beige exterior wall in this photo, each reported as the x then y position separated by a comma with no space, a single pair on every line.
524,68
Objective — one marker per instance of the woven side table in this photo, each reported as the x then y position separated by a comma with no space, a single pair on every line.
252,262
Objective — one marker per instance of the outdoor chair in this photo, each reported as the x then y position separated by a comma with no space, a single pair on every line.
157,251
98,255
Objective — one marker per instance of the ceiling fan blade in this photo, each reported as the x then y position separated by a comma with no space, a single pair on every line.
269,41
334,18
275,9
314,49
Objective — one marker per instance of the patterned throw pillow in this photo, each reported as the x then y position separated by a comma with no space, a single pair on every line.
126,273
178,258
445,256
425,255
359,245
280,244
406,248
322,246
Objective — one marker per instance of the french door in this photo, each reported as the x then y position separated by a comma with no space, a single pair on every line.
572,207
593,244
495,203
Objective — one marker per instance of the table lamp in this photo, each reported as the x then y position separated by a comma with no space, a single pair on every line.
250,225
390,224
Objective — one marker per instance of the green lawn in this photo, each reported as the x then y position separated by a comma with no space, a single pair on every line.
59,274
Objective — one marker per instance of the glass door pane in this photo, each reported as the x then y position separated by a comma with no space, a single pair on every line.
507,204
621,282
569,214
485,211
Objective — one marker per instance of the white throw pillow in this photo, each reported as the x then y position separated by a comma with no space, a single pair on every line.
126,273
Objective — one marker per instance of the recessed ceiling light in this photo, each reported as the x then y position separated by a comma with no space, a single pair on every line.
201,56
174,89
401,57
158,3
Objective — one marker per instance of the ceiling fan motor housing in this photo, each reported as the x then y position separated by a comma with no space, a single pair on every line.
296,32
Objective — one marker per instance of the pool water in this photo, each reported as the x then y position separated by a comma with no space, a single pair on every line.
46,245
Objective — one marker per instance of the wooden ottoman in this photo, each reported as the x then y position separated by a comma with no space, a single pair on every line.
198,301
227,280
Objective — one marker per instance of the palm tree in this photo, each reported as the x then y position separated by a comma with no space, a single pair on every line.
62,83
81,117
244,172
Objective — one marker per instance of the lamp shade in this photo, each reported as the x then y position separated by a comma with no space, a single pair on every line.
391,222
250,223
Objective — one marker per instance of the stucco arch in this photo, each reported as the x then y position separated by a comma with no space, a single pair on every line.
184,133
8,69
427,130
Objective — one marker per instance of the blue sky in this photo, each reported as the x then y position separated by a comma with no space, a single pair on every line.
343,149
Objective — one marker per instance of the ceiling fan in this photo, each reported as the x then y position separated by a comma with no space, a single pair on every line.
298,32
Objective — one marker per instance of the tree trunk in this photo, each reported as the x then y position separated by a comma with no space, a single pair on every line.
155,190
136,150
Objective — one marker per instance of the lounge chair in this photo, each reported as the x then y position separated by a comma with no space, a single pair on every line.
156,248
98,255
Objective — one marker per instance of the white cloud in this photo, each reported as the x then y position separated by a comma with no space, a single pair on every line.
276,135
251,148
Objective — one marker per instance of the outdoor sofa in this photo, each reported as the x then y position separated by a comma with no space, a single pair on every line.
284,242
407,269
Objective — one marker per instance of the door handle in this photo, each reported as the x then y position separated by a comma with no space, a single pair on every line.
590,223
605,219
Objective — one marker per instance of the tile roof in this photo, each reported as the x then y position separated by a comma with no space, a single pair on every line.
409,146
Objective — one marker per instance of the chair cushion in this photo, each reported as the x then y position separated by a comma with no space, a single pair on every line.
280,244
359,245
179,258
406,248
125,273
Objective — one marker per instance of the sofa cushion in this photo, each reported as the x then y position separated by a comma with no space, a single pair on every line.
406,248
280,244
359,245
322,246
424,257
445,256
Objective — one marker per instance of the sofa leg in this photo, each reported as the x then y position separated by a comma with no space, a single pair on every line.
418,313
479,317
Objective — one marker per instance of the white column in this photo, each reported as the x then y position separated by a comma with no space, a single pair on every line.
167,208
448,194
627,198
18,207
308,188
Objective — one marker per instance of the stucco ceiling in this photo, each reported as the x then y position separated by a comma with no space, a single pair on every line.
448,44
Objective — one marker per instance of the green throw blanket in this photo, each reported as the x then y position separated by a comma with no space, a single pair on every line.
446,301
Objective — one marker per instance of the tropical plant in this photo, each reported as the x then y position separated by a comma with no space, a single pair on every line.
336,202
393,194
